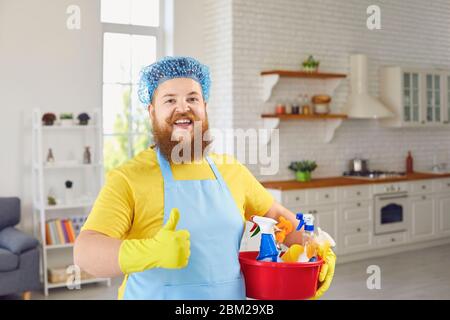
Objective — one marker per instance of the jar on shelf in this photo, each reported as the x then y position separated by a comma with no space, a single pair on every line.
280,108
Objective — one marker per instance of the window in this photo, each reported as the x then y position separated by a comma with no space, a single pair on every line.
132,38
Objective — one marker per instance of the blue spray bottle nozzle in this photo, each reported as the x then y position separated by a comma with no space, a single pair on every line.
299,217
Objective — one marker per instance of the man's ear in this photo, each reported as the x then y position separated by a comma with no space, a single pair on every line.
151,110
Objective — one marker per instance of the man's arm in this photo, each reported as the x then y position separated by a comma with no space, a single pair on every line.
278,210
97,254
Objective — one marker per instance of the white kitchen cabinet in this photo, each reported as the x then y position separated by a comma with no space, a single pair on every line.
433,107
443,214
401,90
421,187
446,99
355,193
388,240
356,237
356,226
418,97
422,217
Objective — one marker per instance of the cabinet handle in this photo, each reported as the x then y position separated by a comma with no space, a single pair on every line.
327,196
424,197
393,239
297,198
358,230
424,187
423,122
448,184
358,204
358,193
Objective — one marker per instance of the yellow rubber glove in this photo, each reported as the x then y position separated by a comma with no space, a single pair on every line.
326,271
169,249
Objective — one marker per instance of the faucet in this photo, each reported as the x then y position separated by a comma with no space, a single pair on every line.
439,167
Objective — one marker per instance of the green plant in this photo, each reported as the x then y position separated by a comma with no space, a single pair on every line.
311,63
63,116
51,201
303,166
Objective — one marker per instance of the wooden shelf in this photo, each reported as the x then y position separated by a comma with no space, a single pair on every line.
303,74
304,116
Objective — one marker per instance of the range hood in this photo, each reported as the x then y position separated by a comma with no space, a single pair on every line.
360,104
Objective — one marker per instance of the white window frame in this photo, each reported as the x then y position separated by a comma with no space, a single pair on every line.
159,34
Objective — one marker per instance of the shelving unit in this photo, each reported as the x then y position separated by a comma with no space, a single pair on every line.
42,174
325,82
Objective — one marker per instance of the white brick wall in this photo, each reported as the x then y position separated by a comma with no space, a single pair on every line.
270,34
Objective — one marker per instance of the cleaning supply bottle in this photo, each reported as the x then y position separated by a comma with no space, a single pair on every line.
309,253
267,249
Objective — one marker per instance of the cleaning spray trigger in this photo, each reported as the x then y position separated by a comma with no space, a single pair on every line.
299,217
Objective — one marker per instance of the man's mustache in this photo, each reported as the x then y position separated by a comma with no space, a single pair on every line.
184,115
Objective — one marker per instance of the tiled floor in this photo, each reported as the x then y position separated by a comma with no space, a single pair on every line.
423,274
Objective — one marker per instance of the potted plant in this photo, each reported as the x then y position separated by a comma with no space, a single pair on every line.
48,119
310,64
83,118
66,119
303,169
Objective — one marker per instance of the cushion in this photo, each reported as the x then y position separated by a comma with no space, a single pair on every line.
9,212
16,241
8,260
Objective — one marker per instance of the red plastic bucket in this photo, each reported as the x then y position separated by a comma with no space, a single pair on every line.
278,280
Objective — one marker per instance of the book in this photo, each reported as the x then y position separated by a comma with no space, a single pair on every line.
51,225
64,229
69,233
48,238
59,231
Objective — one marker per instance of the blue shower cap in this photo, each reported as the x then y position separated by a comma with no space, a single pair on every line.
169,68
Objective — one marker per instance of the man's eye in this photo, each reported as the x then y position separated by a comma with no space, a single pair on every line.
170,101
193,99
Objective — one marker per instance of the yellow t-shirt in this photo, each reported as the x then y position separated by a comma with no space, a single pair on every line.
131,203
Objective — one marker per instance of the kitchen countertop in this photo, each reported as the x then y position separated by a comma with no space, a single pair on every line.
345,181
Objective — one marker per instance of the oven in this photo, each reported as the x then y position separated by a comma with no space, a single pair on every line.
391,211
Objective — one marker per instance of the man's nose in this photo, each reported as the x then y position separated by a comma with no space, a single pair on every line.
183,106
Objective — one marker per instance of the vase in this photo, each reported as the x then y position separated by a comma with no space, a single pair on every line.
303,176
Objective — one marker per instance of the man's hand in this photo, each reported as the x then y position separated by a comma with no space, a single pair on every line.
169,249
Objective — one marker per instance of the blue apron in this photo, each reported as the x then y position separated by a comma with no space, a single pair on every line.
210,214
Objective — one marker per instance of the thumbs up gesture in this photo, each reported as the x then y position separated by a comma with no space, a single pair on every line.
169,248
175,245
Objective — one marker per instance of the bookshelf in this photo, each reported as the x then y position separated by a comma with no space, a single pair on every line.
65,141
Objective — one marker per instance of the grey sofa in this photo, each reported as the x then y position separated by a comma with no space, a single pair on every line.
19,253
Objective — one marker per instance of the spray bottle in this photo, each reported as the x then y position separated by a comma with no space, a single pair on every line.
267,249
309,253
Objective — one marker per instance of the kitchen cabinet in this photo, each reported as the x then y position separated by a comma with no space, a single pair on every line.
416,96
433,98
443,214
401,91
422,217
356,226
347,213
446,95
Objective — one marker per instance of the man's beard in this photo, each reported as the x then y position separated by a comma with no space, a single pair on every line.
186,148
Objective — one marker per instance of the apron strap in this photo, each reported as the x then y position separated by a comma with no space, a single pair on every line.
165,167
216,173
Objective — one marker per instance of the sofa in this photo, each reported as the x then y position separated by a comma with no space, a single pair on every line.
19,253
